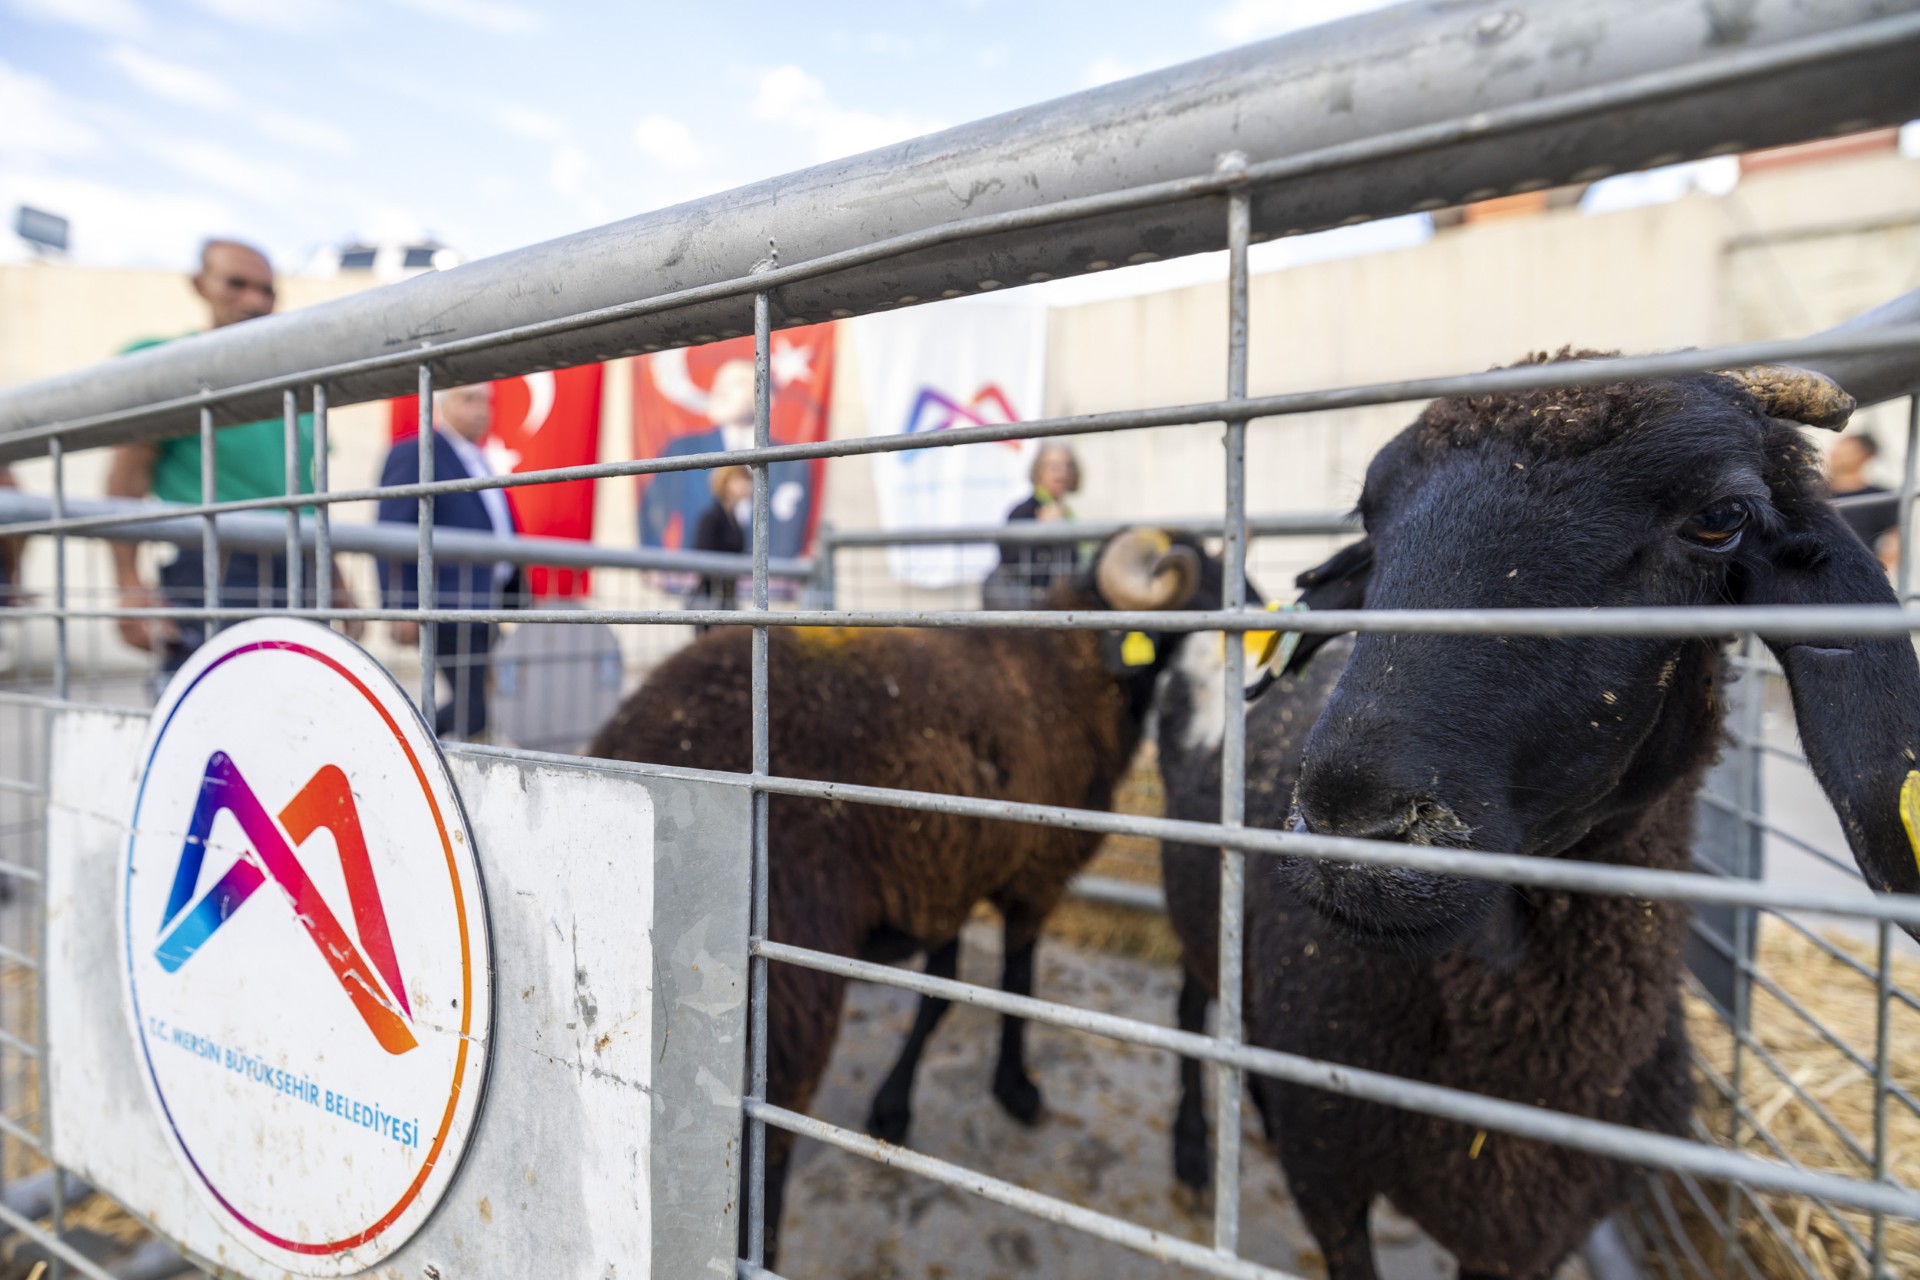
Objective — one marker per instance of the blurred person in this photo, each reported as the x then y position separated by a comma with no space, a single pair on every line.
1847,465
11,550
1027,570
235,280
462,418
723,527
677,499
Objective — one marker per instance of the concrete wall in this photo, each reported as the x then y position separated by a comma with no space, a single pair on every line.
1790,250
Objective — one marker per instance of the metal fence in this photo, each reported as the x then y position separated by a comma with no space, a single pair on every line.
1403,110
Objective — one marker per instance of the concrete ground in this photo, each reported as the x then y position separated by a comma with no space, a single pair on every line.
1103,1142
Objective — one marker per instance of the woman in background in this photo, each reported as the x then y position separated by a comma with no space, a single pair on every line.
1028,569
722,527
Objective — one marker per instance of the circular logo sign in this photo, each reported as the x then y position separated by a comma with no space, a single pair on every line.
307,970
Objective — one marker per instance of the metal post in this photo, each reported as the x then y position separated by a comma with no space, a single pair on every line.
1233,741
825,546
210,537
1748,789
1882,1066
322,521
429,696
290,409
1909,494
57,455
756,1169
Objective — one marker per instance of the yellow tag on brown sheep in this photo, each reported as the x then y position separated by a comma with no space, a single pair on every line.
1910,812
1136,649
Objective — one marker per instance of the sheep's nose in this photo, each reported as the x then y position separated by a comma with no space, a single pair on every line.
1391,826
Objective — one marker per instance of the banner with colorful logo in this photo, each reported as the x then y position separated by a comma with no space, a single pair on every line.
929,369
540,421
700,400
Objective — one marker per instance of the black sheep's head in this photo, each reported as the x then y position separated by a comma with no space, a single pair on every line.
1691,490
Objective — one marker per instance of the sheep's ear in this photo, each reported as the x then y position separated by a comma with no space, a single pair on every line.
1857,699
1340,583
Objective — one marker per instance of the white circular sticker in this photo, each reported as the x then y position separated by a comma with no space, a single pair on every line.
307,968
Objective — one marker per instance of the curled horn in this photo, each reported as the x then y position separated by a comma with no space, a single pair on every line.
1145,569
1798,395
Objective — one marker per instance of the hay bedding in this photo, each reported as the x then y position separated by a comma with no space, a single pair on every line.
1846,1003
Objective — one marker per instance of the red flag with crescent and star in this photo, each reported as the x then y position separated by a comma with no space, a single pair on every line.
700,400
540,421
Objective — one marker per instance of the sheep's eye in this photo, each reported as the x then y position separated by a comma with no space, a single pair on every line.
1716,528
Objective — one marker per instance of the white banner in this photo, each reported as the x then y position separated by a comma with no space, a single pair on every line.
951,365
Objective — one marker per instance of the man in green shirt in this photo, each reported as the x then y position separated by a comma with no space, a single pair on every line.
236,281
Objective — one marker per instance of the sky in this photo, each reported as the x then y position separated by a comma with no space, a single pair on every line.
491,124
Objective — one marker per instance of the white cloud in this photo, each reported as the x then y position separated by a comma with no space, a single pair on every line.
303,131
108,17
221,166
279,15
36,121
528,122
1105,70
496,16
1244,20
666,141
790,96
170,80
570,164
119,226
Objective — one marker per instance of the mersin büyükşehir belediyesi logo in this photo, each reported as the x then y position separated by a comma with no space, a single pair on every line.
305,944
325,801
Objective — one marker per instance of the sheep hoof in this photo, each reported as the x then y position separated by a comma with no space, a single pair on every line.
889,1123
1020,1096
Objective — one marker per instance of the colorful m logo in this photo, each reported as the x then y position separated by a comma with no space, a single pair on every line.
326,801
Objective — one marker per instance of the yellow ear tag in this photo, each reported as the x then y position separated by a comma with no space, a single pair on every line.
1274,648
1136,649
1910,812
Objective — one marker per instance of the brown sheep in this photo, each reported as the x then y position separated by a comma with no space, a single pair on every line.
1038,717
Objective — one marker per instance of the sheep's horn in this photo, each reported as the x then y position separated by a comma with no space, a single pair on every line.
1145,569
1798,395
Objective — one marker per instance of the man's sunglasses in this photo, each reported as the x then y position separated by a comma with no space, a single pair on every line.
239,284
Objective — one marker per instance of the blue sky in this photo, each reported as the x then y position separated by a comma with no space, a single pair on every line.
300,124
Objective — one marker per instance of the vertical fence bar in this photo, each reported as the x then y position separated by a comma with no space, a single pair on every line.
1233,742
1882,1079
423,592
57,455
1750,793
1909,494
322,526
210,537
756,1169
290,408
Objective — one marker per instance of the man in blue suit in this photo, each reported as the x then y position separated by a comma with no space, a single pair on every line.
462,418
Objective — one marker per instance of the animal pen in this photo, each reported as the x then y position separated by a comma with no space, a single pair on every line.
1796,1165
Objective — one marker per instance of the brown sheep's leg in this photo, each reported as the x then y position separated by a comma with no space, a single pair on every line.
1192,1164
803,1021
1018,1094
893,1105
1337,1216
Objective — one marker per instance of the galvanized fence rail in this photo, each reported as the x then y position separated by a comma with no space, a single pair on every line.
1217,154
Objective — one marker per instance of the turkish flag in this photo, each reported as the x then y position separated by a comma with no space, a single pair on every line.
700,400
540,421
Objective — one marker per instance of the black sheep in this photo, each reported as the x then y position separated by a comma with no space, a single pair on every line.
1040,717
1681,491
